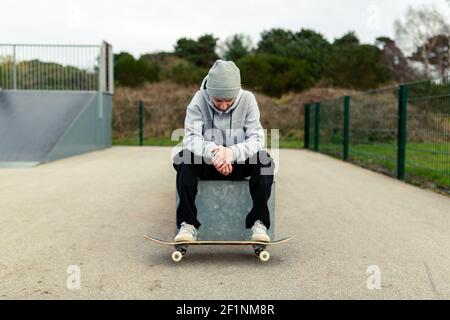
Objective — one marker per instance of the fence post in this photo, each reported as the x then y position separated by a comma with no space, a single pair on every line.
346,126
101,80
141,123
14,68
317,127
307,126
401,131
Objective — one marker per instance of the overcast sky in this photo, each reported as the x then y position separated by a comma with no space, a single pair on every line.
140,26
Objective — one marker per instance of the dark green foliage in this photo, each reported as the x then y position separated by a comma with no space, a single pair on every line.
130,72
283,61
118,56
354,65
312,47
237,47
187,73
275,75
275,41
306,45
200,52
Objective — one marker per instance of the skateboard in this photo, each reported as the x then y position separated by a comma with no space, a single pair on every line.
181,247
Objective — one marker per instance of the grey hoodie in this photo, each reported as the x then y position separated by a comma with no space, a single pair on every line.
238,128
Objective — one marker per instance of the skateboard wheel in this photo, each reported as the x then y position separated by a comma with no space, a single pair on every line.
177,256
264,256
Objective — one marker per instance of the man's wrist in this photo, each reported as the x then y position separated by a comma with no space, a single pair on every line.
210,152
233,153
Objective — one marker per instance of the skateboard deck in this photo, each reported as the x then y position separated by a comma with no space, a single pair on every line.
181,246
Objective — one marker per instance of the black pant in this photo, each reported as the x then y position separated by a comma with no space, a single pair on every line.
190,168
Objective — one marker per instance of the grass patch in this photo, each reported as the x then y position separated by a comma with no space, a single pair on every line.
163,141
427,164
287,143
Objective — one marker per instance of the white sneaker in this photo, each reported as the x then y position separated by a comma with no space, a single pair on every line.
187,232
259,232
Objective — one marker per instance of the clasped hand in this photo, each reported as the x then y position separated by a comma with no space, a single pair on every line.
222,157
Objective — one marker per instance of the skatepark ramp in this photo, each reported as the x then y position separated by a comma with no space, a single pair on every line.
53,108
37,127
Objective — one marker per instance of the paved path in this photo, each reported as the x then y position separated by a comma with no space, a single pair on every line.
92,210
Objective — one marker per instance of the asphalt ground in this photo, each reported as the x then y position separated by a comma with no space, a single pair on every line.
73,229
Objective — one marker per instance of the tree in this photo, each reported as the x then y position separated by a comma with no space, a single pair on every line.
312,47
274,74
121,55
275,41
236,47
438,54
187,73
354,65
201,52
348,39
305,45
418,34
395,61
131,72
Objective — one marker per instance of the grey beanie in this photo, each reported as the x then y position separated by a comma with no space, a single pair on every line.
224,80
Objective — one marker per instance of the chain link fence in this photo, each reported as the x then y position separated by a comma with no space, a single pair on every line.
402,131
56,67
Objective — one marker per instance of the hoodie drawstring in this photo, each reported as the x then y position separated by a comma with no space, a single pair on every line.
212,127
231,119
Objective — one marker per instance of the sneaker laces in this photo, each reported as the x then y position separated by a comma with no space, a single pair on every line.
188,228
258,226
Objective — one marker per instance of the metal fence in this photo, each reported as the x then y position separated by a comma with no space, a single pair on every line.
402,131
56,67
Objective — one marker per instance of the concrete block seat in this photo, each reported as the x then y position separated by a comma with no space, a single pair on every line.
222,206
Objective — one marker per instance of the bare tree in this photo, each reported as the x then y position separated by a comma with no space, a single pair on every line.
395,61
420,33
439,54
